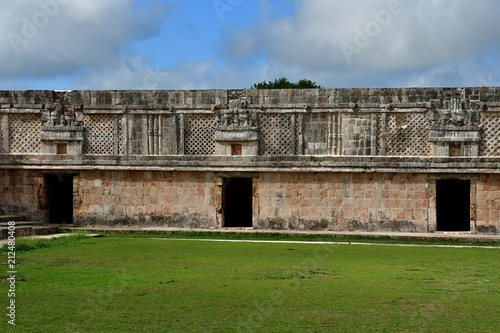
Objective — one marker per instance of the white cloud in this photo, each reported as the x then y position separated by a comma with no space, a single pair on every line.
47,38
361,42
86,44
397,33
470,72
138,73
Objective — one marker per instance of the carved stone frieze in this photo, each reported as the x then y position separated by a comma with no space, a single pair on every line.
455,111
455,121
237,125
60,115
61,126
237,117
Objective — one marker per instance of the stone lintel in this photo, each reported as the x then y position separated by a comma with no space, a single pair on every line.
455,134
62,134
456,128
236,135
62,128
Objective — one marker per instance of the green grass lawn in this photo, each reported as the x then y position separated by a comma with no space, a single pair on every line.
277,236
116,284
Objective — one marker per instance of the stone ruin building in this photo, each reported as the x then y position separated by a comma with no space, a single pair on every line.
408,160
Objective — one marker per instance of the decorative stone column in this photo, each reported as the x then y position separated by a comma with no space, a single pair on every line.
236,132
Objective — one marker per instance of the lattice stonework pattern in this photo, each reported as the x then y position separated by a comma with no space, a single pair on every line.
199,134
99,134
490,124
275,137
407,134
25,134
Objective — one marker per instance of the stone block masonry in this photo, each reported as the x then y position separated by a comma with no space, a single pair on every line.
20,193
374,202
150,198
487,204
345,201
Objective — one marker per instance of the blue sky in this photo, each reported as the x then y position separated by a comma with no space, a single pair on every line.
224,44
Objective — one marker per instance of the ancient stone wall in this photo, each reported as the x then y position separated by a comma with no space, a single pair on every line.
422,122
369,202
344,201
487,204
171,199
283,200
336,159
20,193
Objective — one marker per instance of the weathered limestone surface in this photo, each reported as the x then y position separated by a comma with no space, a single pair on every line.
423,122
19,193
487,204
345,201
337,159
171,199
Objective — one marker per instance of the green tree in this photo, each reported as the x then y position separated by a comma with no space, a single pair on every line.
283,83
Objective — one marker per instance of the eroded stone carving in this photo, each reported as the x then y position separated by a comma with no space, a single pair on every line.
60,116
237,125
455,111
237,117
61,126
455,130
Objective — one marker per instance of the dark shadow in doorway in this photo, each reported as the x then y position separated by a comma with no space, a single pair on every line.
237,202
60,195
453,205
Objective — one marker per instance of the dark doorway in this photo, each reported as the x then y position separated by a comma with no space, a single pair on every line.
453,205
237,202
60,194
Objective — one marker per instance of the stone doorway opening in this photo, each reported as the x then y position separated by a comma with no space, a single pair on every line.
60,198
453,205
237,203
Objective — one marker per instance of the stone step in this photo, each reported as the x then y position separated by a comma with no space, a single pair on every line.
22,231
22,223
9,218
45,230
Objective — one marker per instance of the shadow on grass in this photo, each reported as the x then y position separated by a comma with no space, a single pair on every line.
291,237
